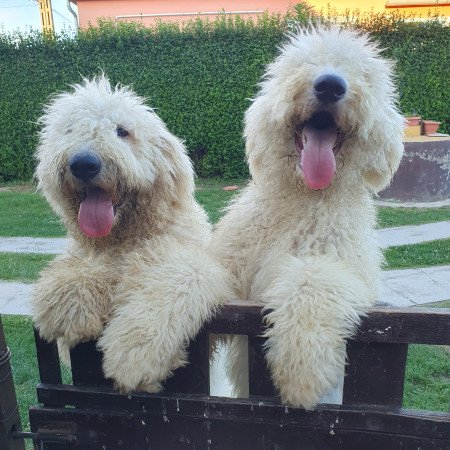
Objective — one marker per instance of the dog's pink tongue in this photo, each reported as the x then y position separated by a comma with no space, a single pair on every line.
318,162
96,214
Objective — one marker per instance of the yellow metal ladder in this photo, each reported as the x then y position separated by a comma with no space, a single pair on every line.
45,8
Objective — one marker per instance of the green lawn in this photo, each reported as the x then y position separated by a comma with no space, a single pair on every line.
427,379
213,201
434,253
20,339
23,267
28,214
19,336
397,217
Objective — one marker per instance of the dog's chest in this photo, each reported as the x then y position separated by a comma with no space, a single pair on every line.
309,235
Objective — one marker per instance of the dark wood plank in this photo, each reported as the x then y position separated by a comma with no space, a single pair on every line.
238,317
138,431
9,413
406,325
199,422
86,363
375,373
48,360
260,381
194,377
261,410
398,325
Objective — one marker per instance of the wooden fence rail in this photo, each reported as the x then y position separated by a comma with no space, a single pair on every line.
89,414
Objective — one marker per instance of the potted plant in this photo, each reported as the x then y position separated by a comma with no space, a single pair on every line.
413,121
413,125
430,126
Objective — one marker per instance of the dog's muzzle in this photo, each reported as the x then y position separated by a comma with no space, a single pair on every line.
96,210
85,165
330,88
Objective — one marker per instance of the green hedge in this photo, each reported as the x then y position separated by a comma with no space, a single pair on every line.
198,76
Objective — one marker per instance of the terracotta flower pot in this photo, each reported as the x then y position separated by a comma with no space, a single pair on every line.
430,126
412,121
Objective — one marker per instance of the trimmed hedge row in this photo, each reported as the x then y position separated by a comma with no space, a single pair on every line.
198,76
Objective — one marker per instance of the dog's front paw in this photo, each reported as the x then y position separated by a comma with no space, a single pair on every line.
136,363
130,369
68,321
300,392
71,301
68,315
304,374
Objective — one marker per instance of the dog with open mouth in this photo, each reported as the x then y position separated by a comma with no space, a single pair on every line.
323,135
136,273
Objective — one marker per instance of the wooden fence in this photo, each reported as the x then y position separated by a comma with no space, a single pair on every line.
88,414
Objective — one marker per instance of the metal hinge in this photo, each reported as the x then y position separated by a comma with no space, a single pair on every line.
41,438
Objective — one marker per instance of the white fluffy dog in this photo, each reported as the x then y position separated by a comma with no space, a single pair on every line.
322,135
123,186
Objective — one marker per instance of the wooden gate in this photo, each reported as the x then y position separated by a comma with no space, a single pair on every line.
89,414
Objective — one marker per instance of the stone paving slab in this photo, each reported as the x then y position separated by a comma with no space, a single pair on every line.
14,298
409,287
389,237
414,234
33,245
400,288
438,274
425,205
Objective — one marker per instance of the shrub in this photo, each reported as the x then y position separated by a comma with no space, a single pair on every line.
198,75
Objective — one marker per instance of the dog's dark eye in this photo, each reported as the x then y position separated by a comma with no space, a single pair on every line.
121,132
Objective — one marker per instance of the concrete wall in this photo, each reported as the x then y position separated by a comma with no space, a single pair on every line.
424,173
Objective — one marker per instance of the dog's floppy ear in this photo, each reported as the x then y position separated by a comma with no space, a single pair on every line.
387,138
254,155
257,122
180,171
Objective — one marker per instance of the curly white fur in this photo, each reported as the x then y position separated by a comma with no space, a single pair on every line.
149,281
311,255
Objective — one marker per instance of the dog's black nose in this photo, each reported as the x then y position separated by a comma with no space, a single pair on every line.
85,165
329,88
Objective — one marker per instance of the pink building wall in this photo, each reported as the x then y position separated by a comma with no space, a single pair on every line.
90,10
